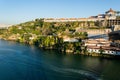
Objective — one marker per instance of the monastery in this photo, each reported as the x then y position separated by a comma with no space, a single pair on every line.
109,18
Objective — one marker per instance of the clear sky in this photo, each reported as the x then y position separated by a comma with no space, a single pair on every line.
17,11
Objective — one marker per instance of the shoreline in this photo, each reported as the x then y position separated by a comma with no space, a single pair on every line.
74,53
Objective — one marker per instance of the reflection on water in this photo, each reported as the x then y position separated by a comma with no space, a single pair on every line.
23,62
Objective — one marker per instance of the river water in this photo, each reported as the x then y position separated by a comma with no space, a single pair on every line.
23,62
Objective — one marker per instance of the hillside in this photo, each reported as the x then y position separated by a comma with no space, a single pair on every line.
49,35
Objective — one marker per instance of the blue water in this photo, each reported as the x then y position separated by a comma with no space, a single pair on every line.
23,62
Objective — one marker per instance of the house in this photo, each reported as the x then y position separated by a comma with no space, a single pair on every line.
111,14
106,50
95,45
97,42
70,40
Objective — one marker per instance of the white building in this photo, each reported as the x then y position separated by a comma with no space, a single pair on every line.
70,40
95,45
110,14
106,50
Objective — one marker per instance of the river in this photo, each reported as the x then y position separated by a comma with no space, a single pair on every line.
23,62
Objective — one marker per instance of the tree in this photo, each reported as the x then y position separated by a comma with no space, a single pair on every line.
101,50
39,22
84,49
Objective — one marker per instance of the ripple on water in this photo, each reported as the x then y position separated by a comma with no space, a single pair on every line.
9,50
88,75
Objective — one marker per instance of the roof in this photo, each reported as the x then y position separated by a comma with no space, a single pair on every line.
101,14
111,10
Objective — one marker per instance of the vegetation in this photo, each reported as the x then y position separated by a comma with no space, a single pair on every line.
47,35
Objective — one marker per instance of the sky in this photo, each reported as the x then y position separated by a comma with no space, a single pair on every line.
18,11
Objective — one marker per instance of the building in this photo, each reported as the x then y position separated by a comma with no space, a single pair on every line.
95,45
98,42
110,14
107,19
115,38
106,50
68,39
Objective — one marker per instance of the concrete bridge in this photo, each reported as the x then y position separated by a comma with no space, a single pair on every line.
4,26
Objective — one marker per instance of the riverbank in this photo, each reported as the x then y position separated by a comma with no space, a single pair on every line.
102,55
107,56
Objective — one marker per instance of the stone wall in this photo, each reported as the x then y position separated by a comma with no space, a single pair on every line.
96,31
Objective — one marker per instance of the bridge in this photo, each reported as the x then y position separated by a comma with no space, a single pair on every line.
4,26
